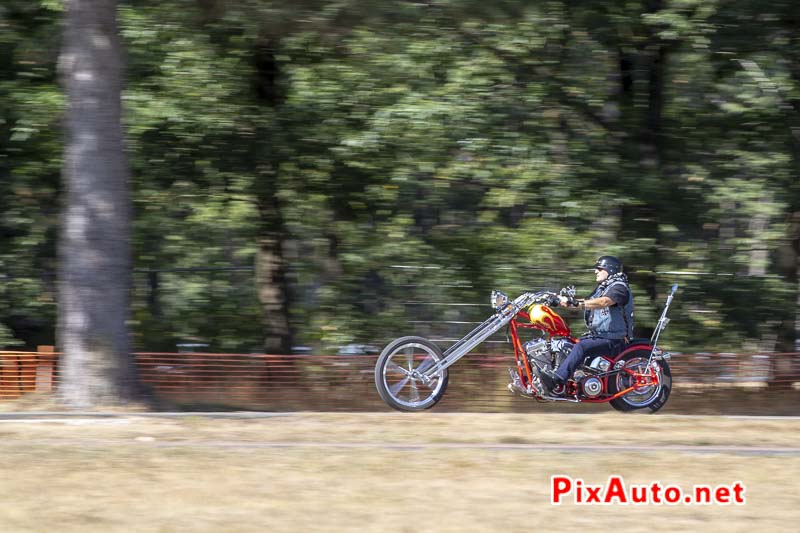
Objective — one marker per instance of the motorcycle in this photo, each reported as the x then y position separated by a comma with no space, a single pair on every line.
411,373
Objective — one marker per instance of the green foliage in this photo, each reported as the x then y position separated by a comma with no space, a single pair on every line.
30,159
421,153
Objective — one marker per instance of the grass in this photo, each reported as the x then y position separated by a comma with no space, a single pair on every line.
196,474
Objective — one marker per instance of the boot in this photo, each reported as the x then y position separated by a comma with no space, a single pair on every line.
552,383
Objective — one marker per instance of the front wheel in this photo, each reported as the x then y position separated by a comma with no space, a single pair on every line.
400,374
648,396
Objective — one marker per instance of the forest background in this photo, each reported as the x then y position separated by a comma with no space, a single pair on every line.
320,173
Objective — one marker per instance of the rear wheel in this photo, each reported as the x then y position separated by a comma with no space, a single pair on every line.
400,374
649,396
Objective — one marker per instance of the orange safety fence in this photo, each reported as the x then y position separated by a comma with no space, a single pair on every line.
24,372
345,382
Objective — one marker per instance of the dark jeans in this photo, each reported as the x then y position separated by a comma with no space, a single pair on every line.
587,346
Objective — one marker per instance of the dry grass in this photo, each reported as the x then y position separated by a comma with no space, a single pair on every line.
141,474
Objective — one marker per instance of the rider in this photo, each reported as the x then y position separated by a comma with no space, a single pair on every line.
608,313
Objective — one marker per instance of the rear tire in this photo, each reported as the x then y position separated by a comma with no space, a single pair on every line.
649,398
398,374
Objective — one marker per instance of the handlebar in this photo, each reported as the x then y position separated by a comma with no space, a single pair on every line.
540,297
569,293
549,298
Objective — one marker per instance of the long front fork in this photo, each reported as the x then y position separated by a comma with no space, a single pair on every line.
471,340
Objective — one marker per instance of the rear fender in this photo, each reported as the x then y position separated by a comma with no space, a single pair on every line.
637,344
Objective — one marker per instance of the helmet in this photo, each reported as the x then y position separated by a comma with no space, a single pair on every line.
610,264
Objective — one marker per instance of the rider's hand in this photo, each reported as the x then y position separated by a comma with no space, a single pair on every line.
563,301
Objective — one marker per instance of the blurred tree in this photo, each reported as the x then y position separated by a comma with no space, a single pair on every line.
95,263
372,160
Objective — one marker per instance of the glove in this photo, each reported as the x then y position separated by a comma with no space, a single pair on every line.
569,294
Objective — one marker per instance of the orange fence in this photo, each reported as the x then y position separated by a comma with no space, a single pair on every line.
345,382
24,372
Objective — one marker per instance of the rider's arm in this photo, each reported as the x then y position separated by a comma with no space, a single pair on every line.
594,303
597,303
615,295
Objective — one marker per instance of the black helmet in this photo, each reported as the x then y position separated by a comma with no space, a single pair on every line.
610,264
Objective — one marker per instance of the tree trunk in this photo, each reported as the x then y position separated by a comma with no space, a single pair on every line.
272,293
784,370
641,100
271,268
94,254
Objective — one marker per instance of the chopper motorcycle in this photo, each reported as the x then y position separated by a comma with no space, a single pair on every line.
411,373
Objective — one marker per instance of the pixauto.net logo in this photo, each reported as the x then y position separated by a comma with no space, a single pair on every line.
617,492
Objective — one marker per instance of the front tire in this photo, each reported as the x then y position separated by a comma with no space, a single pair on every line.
649,398
399,379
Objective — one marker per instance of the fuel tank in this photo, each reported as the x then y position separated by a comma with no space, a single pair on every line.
547,320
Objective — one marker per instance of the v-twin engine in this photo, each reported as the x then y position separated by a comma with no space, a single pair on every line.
547,354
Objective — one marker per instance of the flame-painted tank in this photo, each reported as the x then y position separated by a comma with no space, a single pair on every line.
544,318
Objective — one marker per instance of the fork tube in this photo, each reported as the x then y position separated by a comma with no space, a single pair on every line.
473,339
466,337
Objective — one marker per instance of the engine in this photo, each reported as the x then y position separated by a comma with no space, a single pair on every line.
548,354
538,351
561,348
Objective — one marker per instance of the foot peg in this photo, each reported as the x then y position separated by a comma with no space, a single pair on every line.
515,386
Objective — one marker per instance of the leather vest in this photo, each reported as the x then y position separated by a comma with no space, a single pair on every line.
615,322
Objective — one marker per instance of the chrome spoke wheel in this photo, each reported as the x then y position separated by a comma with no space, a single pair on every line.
650,387
400,374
